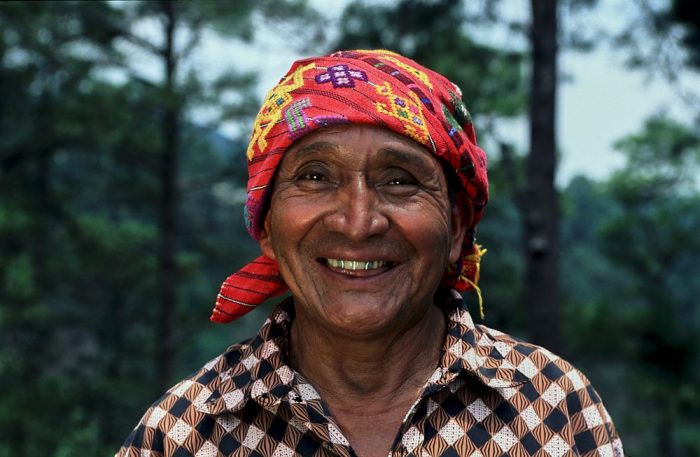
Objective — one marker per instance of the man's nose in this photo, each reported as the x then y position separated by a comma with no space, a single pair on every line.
358,213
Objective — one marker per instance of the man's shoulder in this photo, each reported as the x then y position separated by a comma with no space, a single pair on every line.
199,385
166,422
545,390
538,364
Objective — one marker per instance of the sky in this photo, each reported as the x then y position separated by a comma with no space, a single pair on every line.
600,101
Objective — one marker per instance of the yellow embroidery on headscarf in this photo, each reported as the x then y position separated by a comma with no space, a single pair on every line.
388,55
277,98
475,259
409,112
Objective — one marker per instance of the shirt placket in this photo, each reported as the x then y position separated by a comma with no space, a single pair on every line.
438,381
310,416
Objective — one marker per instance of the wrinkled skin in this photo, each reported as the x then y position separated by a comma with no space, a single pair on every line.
361,193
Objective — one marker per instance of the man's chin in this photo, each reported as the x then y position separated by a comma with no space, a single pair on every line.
363,317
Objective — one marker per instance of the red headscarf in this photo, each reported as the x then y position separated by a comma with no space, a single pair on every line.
375,87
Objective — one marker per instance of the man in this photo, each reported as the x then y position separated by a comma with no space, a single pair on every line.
366,185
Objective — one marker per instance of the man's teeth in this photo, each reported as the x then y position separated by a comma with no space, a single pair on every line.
356,264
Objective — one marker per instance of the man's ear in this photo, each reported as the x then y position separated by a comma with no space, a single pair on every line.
461,219
265,239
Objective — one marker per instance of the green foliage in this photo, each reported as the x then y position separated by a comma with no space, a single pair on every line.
80,167
630,256
654,239
664,159
500,233
685,13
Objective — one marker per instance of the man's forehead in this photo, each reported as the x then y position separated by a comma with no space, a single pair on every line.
359,139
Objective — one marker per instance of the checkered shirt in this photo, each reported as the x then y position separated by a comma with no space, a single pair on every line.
492,395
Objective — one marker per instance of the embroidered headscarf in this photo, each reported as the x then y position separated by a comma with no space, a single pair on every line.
376,87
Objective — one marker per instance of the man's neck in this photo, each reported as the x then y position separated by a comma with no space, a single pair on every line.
348,370
369,384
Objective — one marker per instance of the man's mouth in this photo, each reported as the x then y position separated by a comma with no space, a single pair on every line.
358,265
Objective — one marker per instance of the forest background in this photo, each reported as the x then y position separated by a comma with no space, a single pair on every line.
122,179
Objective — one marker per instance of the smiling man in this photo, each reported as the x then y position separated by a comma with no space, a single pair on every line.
366,185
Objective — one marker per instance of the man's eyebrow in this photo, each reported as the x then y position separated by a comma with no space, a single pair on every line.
318,146
398,154
402,155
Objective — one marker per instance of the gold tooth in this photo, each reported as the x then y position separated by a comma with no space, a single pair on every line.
353,264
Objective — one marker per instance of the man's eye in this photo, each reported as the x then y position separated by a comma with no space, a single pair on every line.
400,184
403,181
311,176
401,178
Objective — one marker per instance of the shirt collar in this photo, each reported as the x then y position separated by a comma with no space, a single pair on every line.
258,369
489,355
254,370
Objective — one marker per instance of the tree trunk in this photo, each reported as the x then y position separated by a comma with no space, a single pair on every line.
542,207
167,266
666,442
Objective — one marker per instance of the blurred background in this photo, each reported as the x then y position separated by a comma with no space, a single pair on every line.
123,127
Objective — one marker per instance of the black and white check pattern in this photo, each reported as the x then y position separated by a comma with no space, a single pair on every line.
492,395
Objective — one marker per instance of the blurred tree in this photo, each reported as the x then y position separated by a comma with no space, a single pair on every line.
629,259
541,218
49,54
181,26
652,239
501,233
662,38
81,180
541,203
686,13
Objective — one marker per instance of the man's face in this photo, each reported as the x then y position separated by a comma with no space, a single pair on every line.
362,228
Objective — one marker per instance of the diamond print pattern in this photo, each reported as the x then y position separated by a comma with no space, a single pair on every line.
233,399
527,368
505,438
479,410
490,396
531,418
183,387
412,438
283,451
606,450
507,392
227,422
336,435
554,395
575,380
207,450
451,432
503,348
156,415
592,416
308,392
250,362
556,447
253,437
179,432
430,409
259,388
